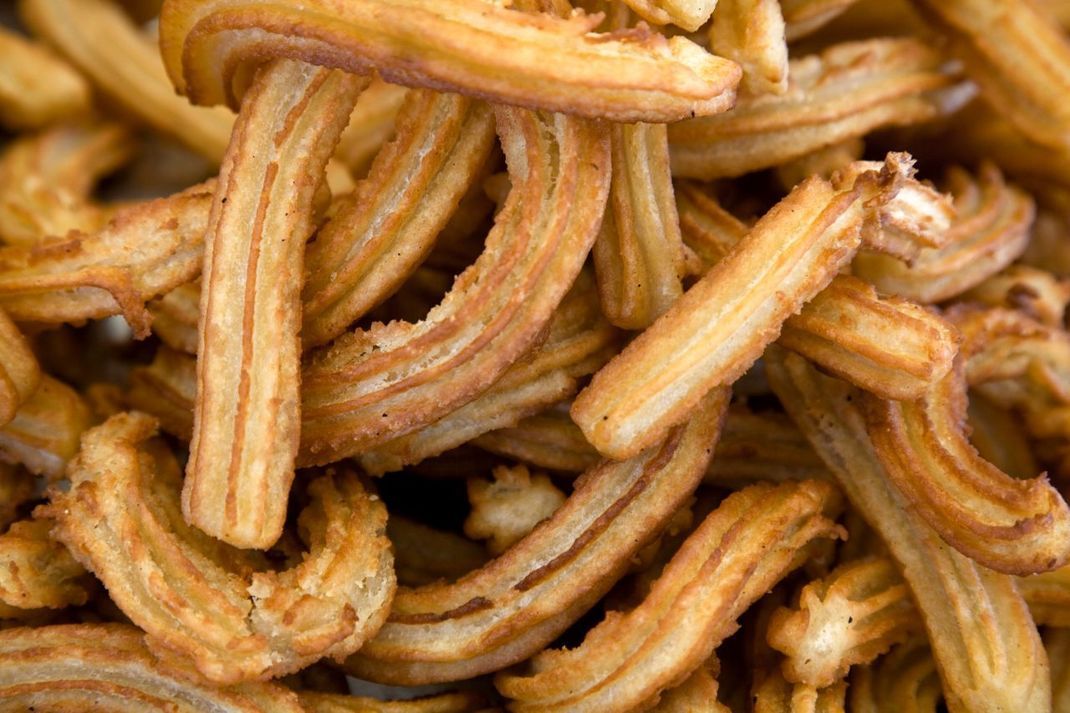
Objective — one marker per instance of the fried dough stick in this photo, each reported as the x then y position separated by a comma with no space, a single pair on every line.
246,421
36,86
468,46
887,345
108,667
373,385
713,334
984,640
44,434
119,520
515,605
753,539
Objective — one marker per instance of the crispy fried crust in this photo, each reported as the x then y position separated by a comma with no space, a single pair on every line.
846,91
990,230
458,702
46,179
461,45
20,373
126,68
388,225
722,324
231,625
107,667
36,86
145,251
247,415
754,538
377,384
519,602
984,639
639,255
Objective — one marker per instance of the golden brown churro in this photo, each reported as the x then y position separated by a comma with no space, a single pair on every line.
36,86
238,478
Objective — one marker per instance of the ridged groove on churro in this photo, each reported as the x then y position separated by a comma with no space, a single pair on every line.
549,439
36,86
387,226
639,255
46,180
371,124
231,625
376,384
108,666
754,538
246,421
145,250
519,602
990,230
848,90
992,662
127,68
719,327
756,446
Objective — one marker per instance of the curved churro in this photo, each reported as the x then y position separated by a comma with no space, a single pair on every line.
990,230
721,325
989,663
387,226
231,625
146,250
36,86
516,604
377,384
107,666
46,179
461,45
579,342
846,91
127,68
247,413
754,538
1010,525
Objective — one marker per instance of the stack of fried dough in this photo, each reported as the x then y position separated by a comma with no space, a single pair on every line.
436,356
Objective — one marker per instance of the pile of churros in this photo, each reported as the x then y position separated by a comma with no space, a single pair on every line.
442,356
